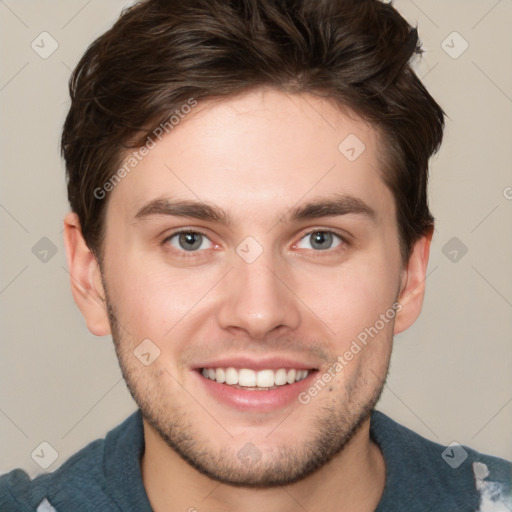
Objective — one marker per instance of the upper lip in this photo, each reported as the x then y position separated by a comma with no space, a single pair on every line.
268,363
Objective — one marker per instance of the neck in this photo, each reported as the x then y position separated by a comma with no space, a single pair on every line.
352,481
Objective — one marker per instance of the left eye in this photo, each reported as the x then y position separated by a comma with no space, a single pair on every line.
189,241
320,241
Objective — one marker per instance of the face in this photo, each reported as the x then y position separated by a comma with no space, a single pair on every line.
254,255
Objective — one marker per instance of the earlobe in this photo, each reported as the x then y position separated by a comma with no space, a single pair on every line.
412,289
86,283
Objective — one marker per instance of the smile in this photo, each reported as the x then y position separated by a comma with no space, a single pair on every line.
251,380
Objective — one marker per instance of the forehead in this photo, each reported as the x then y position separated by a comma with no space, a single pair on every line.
258,153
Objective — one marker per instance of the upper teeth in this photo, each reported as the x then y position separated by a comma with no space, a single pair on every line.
250,378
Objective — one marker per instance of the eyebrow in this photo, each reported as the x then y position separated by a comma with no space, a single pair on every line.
331,206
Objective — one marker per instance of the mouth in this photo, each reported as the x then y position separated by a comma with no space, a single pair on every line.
255,380
255,386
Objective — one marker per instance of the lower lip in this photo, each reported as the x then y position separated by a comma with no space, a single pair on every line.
256,401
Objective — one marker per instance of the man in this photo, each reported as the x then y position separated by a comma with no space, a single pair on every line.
250,223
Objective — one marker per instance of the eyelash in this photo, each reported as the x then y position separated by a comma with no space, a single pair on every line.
189,254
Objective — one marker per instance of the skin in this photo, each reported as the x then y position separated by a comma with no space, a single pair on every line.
256,156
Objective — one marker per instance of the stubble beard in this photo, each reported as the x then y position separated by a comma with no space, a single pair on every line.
333,428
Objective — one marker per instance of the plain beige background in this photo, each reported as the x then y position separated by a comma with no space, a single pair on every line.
451,373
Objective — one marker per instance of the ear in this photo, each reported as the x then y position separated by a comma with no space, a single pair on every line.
412,289
86,284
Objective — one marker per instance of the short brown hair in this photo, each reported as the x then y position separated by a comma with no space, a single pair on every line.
161,53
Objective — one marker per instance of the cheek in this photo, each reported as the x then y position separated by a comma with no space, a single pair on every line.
151,299
353,297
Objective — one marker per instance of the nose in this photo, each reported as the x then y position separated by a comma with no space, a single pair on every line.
258,298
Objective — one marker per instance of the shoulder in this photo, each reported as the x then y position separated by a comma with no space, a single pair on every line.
80,484
79,476
453,477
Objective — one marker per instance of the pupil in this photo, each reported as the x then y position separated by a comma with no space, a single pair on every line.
190,241
322,240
